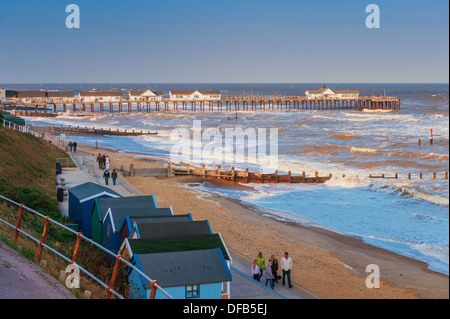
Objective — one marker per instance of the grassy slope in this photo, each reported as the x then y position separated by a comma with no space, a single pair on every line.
27,170
27,175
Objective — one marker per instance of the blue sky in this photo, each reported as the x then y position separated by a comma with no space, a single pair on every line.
224,41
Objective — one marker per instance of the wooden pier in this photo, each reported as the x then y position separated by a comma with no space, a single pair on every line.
52,129
225,104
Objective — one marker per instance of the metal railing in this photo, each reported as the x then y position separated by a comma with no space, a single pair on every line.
65,161
118,258
21,128
14,126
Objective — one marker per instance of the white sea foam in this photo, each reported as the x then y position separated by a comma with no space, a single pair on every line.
363,150
378,111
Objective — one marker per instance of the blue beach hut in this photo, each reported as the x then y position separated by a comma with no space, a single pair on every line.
194,274
102,205
130,223
81,201
164,229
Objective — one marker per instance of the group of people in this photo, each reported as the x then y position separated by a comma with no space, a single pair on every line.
269,270
73,146
103,163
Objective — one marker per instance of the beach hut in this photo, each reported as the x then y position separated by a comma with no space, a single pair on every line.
193,274
101,206
175,244
81,200
130,223
170,229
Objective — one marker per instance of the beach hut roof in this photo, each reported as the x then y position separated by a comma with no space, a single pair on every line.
89,190
163,218
153,246
166,230
130,202
183,268
118,215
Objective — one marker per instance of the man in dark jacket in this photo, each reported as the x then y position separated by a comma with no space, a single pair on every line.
114,176
106,176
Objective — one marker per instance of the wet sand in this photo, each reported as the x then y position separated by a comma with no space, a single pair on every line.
327,263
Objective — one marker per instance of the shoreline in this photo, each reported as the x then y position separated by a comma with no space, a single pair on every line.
325,262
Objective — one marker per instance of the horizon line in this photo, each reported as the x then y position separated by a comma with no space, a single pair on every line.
321,83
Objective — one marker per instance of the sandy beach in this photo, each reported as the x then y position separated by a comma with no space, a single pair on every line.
330,264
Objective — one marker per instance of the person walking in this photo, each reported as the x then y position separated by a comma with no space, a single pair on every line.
75,144
274,266
268,276
107,162
286,266
70,145
99,161
103,161
255,270
261,263
106,175
114,176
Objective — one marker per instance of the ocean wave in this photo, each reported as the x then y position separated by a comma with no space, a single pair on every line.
378,111
364,150
435,199
348,182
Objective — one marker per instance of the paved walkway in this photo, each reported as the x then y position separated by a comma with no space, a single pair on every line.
22,279
242,285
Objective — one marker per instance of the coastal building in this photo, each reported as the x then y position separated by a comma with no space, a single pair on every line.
2,95
175,244
152,230
192,274
145,95
130,225
81,201
60,97
195,95
102,205
7,96
327,93
30,96
115,217
91,97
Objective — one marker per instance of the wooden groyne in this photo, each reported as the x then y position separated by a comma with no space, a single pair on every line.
225,104
245,176
232,175
251,177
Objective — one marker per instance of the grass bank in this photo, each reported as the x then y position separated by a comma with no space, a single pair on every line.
28,176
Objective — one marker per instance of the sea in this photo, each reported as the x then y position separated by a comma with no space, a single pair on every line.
406,216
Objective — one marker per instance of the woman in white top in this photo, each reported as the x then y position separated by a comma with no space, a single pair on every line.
107,162
256,273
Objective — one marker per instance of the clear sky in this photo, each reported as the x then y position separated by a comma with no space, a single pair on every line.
224,41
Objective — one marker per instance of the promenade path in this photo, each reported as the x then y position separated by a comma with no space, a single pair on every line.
22,279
